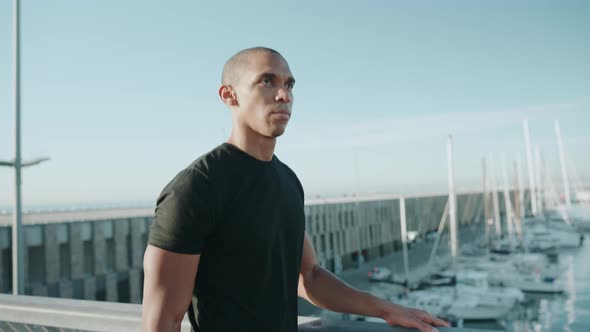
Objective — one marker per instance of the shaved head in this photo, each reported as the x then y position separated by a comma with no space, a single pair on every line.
233,66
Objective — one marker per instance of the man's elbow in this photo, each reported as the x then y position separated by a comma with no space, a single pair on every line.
160,324
160,320
306,280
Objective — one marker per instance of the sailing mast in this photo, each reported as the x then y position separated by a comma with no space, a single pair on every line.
402,215
507,203
521,189
566,188
452,198
517,201
496,203
529,158
486,201
540,186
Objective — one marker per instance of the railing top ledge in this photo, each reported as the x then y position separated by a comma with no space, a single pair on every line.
109,316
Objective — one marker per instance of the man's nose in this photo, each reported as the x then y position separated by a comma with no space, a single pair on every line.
283,95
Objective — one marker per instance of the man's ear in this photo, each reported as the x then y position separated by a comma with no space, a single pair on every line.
228,95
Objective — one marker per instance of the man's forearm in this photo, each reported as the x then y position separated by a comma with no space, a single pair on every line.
327,291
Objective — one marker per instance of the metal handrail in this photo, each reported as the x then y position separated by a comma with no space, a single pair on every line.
111,316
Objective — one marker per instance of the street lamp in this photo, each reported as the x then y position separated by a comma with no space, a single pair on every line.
18,279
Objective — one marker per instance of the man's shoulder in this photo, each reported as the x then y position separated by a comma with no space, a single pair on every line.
291,174
286,168
209,162
201,171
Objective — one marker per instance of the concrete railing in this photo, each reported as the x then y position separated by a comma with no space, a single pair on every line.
110,316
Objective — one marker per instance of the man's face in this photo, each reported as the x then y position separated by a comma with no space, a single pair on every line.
264,93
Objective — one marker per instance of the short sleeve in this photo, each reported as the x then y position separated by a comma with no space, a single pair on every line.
183,218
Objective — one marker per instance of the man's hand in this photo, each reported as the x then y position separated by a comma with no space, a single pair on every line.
408,317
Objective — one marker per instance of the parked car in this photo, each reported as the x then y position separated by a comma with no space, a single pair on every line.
413,236
379,274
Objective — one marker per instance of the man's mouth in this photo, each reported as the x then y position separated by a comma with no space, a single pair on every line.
282,114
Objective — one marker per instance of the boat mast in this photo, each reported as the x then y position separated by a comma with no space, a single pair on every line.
495,201
517,201
566,188
507,203
452,198
539,185
402,215
529,158
521,189
486,201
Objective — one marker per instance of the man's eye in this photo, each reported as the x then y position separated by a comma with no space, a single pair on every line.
266,81
290,85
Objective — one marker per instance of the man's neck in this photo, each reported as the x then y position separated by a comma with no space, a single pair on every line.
254,144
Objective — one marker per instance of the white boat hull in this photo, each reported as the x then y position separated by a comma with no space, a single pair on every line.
527,284
478,312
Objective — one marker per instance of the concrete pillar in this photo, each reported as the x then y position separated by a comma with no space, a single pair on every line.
412,213
347,262
396,221
26,230
121,230
3,270
76,251
479,213
111,288
135,285
338,244
86,235
51,253
138,229
100,249
66,289
337,264
474,210
5,265
463,208
148,223
90,288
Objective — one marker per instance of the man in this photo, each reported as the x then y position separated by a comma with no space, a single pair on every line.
228,242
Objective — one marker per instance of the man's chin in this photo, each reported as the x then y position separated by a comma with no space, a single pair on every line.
277,132
275,135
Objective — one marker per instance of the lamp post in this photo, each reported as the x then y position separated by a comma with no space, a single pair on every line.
17,164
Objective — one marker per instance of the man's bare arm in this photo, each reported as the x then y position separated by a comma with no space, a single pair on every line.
169,279
325,290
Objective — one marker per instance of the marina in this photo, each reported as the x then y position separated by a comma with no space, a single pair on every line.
534,306
511,264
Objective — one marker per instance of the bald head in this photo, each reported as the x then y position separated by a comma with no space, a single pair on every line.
233,66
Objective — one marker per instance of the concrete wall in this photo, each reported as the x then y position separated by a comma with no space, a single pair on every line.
99,259
102,259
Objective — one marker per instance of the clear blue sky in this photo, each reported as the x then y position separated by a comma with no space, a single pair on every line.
123,94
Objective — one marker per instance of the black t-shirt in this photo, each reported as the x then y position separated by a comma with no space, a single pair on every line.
246,219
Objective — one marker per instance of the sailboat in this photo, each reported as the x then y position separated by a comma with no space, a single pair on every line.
471,298
555,233
443,303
